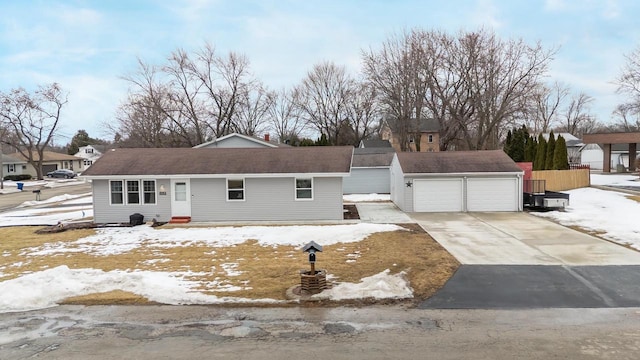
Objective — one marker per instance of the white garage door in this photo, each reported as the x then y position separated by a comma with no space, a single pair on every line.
492,194
441,195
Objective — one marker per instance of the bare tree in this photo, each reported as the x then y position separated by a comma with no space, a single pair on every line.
626,119
199,95
546,104
576,115
31,120
629,82
474,83
284,116
323,98
363,112
252,110
396,73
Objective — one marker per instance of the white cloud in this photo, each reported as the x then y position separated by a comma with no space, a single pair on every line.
487,14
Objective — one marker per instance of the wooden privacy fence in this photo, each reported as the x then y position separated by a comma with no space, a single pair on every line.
559,180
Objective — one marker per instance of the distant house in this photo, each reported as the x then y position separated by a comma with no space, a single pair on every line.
11,165
370,171
574,146
89,154
52,161
592,154
429,130
235,140
220,184
456,181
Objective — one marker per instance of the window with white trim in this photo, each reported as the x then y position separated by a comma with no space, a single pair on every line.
117,197
235,189
133,192
149,190
11,167
88,162
304,189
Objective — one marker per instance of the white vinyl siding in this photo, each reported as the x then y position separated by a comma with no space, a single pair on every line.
368,181
492,194
304,189
438,195
266,199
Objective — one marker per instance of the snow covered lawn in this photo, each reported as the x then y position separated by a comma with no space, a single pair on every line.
212,265
610,214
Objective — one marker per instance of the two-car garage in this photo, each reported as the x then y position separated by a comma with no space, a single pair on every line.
466,194
456,182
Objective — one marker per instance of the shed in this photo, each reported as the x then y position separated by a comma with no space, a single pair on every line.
456,181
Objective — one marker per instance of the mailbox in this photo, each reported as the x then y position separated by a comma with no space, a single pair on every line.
312,247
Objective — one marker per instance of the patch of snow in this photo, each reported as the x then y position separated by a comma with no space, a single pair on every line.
616,180
28,293
112,241
379,286
231,269
612,214
45,216
54,199
366,197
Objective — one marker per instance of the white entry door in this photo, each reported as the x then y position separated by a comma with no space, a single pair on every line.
180,197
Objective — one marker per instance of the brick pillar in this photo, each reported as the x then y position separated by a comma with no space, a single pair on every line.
606,161
632,157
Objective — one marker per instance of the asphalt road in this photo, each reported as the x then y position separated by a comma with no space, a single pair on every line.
392,332
11,200
533,286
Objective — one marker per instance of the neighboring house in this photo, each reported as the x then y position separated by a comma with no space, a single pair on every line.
374,143
456,181
52,161
592,154
370,171
90,154
429,136
240,141
574,146
11,165
220,184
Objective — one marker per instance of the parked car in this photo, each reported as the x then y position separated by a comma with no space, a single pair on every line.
61,173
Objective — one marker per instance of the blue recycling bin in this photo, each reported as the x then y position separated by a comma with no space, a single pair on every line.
20,185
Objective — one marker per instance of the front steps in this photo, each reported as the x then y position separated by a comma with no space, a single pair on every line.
180,220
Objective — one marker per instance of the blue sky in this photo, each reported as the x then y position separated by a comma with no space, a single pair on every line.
87,46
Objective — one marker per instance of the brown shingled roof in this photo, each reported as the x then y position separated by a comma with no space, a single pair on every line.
447,162
190,161
372,160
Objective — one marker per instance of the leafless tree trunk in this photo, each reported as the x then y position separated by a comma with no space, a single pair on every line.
285,117
31,120
324,96
252,110
546,106
577,114
629,82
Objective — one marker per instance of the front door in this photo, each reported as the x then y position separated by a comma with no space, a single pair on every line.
180,197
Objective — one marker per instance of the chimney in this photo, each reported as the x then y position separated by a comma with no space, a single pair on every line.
266,137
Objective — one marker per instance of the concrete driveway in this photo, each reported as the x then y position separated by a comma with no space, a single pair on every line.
519,239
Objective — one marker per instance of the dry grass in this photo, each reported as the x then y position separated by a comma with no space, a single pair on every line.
261,272
634,197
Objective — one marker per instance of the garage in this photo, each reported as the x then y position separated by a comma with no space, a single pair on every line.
369,172
49,168
438,195
492,194
456,181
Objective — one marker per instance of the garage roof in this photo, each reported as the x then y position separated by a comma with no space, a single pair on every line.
450,162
